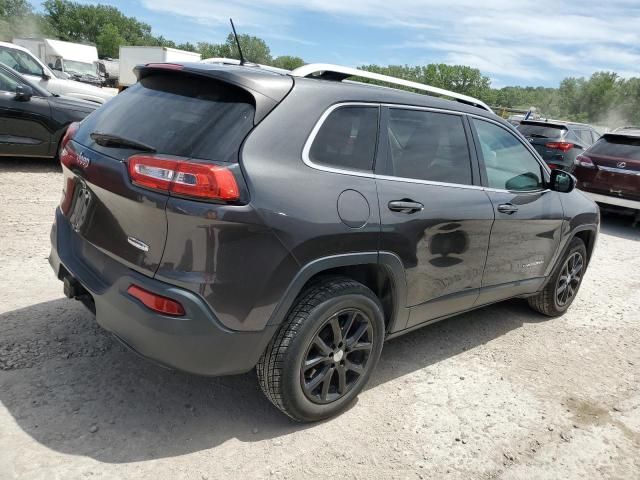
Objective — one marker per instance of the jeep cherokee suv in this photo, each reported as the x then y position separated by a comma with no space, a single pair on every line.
218,218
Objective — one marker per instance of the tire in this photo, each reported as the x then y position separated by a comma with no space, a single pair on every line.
309,334
554,300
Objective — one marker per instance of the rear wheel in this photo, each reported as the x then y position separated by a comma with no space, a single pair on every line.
562,288
324,353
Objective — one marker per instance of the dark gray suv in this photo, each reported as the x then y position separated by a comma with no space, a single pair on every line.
219,218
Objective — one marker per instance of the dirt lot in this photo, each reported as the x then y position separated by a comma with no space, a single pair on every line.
497,393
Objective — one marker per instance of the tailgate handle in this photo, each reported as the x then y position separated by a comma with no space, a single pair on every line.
507,208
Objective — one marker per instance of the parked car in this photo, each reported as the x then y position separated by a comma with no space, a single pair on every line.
609,171
558,142
24,62
218,218
77,61
109,71
33,120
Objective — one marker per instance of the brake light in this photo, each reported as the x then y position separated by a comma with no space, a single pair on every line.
68,135
183,177
157,303
584,161
562,146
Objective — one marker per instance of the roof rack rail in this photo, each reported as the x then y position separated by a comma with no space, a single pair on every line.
339,72
234,61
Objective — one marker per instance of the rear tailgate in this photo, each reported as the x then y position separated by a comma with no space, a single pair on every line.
174,115
540,134
617,159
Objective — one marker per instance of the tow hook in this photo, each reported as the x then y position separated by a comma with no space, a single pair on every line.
72,288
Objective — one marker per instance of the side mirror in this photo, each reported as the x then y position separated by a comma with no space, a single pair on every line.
24,93
45,76
562,181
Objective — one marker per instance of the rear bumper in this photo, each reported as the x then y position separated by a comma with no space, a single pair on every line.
617,201
196,343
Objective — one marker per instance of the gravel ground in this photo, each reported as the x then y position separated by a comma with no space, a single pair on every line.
497,393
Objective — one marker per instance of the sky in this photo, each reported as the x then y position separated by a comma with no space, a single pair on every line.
514,42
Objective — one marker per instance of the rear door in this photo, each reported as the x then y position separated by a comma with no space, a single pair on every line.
434,214
528,216
25,125
174,115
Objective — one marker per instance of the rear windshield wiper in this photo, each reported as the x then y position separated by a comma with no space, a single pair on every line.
116,141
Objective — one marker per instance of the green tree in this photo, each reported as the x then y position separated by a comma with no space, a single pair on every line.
18,19
109,41
287,62
254,49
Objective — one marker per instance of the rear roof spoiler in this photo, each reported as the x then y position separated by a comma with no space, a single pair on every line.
266,88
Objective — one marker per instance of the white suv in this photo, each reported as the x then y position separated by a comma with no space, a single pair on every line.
24,62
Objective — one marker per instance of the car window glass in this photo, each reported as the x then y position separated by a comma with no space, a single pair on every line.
428,146
595,136
7,83
509,165
347,139
584,136
20,61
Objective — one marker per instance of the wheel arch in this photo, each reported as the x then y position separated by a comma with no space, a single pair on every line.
382,272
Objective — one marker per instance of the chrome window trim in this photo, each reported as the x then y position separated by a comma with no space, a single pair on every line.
356,173
314,132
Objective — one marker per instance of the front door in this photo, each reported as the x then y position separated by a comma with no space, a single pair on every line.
434,214
24,124
528,216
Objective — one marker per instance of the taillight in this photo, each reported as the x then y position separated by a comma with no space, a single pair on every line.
183,177
69,157
68,135
562,146
553,166
157,303
584,161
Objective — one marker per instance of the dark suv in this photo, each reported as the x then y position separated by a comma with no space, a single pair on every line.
557,142
217,218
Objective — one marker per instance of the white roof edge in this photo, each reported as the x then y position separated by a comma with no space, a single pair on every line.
312,68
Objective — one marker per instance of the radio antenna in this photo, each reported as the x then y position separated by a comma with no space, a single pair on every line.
235,35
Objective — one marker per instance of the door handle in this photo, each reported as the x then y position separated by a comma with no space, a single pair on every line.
507,208
405,206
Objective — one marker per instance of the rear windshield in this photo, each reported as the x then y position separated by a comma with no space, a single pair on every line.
617,146
179,115
541,131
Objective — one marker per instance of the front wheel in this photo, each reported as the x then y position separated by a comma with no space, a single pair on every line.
562,288
325,351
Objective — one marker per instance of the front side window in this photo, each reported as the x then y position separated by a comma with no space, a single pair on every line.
509,165
429,146
7,83
20,61
347,139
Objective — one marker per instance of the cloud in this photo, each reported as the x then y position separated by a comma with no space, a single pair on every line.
527,39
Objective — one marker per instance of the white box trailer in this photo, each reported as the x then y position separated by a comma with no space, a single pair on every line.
130,57
77,60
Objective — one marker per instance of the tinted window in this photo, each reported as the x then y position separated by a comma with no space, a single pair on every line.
617,146
347,139
428,146
179,115
509,165
20,61
7,83
584,136
539,130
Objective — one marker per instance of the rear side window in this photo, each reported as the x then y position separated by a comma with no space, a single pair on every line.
181,115
428,146
347,139
584,136
537,130
617,146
